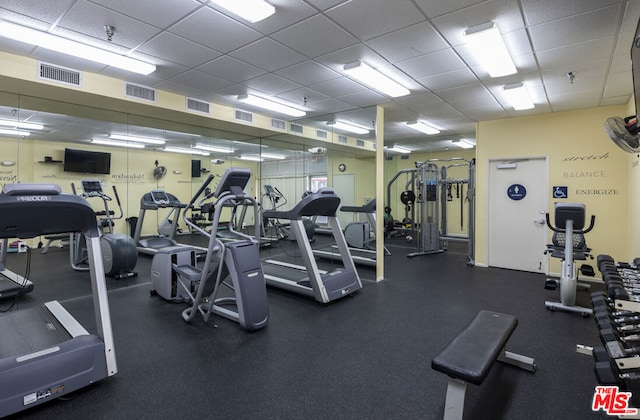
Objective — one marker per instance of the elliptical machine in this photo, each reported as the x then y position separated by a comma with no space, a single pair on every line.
119,254
569,223
177,278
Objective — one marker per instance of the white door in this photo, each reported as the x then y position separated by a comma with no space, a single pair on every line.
345,187
518,201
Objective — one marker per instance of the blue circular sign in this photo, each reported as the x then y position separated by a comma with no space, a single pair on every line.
516,192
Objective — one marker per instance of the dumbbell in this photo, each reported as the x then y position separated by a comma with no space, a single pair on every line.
607,374
627,340
603,258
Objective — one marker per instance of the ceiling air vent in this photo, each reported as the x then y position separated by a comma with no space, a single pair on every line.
321,134
359,143
279,124
198,106
342,139
59,74
296,128
243,115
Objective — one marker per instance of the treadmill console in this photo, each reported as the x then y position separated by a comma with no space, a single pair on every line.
92,188
160,197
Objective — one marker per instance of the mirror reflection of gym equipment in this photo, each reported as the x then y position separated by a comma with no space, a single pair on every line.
425,220
118,250
569,222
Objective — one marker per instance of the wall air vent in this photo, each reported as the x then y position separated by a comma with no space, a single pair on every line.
198,106
139,92
404,157
388,158
243,116
296,128
59,74
342,139
279,124
359,143
321,134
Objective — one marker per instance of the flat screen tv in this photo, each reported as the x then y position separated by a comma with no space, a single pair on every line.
86,162
195,168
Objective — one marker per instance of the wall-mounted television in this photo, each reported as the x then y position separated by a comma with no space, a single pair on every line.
86,162
195,168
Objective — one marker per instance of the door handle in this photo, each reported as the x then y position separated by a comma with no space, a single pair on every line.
539,222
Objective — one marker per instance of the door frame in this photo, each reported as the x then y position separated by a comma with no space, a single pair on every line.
545,159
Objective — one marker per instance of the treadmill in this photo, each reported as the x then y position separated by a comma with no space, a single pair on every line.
323,286
11,284
45,353
154,200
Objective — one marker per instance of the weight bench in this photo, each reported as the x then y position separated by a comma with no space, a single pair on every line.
471,354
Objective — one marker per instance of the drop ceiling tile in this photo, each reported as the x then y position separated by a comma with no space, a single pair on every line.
288,12
178,50
363,98
618,84
271,84
308,72
367,19
159,13
232,69
48,11
200,81
315,36
214,30
539,11
579,53
408,42
575,29
326,4
437,8
337,87
443,61
268,54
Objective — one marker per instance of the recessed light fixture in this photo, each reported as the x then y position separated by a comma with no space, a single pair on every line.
252,158
185,151
348,126
271,105
398,149
487,45
76,49
375,79
251,10
217,149
464,143
118,143
136,139
518,96
24,125
14,132
423,127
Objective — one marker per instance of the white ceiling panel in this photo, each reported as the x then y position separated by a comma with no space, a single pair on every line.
300,52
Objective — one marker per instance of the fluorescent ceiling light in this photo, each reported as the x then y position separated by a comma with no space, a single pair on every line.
271,106
14,132
398,149
136,139
253,158
251,10
185,150
272,156
348,126
463,143
488,47
76,49
518,96
374,79
423,127
24,125
214,148
119,143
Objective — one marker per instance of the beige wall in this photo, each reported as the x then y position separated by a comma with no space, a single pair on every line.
581,156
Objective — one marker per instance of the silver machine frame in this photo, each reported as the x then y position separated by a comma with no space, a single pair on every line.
429,181
49,371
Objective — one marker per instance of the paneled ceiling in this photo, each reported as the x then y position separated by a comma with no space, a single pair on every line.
298,54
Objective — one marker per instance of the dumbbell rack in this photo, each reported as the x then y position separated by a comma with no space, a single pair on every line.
617,315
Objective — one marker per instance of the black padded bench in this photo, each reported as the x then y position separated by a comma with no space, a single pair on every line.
468,358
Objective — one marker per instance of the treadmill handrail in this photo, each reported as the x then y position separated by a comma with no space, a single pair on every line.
325,202
369,207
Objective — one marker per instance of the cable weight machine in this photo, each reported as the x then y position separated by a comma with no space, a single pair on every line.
425,197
